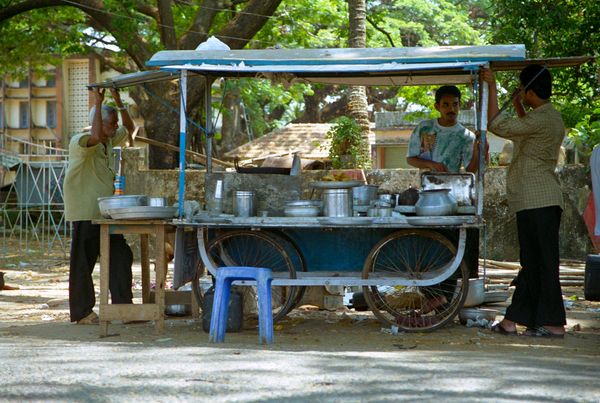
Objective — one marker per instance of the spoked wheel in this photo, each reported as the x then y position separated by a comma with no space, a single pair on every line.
297,260
256,249
415,255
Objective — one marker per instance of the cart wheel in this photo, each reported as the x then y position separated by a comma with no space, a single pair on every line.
411,253
297,259
255,249
199,283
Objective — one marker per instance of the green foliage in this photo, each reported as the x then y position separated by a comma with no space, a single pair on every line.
554,29
38,38
347,144
586,134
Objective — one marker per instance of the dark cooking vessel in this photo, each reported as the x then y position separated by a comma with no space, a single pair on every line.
409,197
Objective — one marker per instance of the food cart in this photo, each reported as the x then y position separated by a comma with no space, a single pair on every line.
410,268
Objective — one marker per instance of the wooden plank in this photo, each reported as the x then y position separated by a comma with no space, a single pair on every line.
193,154
127,312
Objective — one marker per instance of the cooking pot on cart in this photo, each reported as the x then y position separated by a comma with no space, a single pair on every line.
435,202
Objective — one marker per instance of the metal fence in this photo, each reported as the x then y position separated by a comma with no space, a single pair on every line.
32,220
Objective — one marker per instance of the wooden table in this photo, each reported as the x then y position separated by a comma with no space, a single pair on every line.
147,310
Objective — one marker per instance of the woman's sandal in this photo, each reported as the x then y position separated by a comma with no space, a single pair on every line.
497,328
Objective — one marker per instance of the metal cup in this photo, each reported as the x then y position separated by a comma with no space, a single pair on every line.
243,204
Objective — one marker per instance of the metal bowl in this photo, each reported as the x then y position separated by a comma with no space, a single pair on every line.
178,310
113,202
476,314
157,201
301,211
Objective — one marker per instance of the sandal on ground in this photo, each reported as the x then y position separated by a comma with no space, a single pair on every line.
91,319
543,332
497,328
530,331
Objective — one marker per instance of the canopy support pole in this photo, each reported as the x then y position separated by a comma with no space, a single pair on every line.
182,138
209,127
482,143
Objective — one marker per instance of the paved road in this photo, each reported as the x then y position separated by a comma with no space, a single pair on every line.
312,360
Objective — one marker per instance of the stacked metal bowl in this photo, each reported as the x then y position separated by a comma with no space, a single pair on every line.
122,201
302,208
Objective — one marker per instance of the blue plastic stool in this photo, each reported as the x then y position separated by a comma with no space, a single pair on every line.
226,276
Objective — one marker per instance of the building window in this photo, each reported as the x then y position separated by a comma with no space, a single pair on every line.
1,116
51,114
24,83
51,80
23,115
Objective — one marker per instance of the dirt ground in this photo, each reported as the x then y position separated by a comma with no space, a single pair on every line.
338,355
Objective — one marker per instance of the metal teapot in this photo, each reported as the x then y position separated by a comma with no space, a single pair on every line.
435,202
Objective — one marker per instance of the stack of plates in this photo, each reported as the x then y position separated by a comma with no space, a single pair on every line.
142,212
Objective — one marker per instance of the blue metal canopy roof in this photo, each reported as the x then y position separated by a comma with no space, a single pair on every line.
337,56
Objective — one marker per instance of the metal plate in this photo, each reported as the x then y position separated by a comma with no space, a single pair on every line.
437,221
142,212
346,220
335,184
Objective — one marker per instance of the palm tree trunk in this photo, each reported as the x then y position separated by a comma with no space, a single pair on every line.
357,98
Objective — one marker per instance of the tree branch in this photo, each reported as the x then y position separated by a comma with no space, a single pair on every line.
148,10
383,31
198,30
238,32
166,25
135,47
28,5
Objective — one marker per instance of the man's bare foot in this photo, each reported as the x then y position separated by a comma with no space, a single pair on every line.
507,326
91,319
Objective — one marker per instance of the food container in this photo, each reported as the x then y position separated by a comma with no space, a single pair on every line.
243,204
476,293
435,202
337,202
157,201
408,197
302,208
476,314
115,202
178,310
362,195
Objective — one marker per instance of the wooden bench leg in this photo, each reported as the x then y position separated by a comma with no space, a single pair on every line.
160,277
145,263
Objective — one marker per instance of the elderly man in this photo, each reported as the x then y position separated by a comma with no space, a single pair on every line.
90,175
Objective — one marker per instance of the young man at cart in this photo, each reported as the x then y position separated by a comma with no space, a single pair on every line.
445,145
535,196
90,175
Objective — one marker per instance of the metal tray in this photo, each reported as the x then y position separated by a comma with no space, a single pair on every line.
142,212
346,220
335,184
436,221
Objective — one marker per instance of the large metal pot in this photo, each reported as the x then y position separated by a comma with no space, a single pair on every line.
362,195
435,202
113,202
476,293
337,202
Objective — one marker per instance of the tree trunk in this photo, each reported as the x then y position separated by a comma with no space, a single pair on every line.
357,98
232,134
